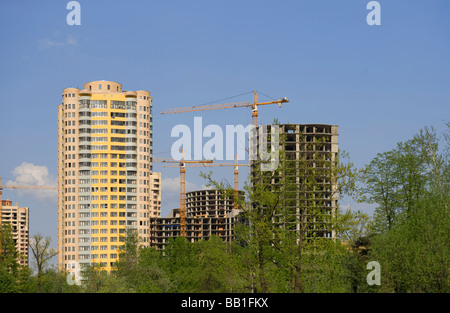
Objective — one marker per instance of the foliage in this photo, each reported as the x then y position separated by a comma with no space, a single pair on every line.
412,243
276,250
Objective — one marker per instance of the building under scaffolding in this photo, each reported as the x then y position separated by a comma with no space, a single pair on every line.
304,177
208,212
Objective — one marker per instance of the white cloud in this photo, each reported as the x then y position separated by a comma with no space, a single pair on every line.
46,43
34,175
71,41
170,193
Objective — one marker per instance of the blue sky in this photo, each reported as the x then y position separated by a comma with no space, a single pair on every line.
380,84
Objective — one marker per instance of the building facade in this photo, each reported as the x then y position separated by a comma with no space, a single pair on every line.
18,218
105,183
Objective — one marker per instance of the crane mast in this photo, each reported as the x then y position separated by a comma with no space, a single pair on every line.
236,175
182,166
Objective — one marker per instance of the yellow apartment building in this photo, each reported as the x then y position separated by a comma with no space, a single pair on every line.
106,183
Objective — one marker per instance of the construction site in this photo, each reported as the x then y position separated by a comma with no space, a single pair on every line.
204,213
95,212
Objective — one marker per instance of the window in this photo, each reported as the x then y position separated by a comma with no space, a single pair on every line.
100,87
98,147
98,104
120,123
109,87
117,104
99,122
95,114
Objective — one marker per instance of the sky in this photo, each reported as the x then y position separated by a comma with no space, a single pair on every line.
380,84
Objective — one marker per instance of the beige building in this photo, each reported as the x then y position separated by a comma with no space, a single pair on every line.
106,183
19,220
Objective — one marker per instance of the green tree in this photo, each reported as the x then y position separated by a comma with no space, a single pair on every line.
96,279
381,187
152,276
127,265
8,253
354,231
181,261
413,251
42,253
287,214
415,254
13,276
215,265
397,179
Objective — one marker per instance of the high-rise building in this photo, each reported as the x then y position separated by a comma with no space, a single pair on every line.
18,218
105,182
304,176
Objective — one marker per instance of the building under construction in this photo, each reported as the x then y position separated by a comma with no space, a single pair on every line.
18,218
303,181
208,212
304,177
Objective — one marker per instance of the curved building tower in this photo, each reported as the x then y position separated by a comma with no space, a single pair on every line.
105,174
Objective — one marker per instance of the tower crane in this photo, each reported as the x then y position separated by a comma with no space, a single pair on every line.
236,175
182,166
253,105
19,187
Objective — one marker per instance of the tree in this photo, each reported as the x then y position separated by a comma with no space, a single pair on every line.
354,231
40,247
398,178
288,212
415,255
381,188
13,276
8,259
413,251
215,265
181,261
128,258
153,277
